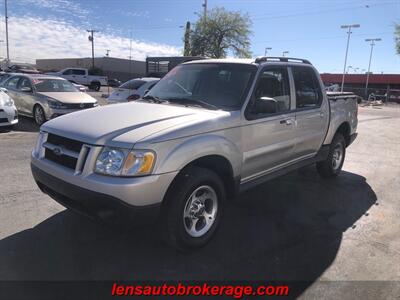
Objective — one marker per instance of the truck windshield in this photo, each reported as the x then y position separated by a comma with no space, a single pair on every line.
53,85
211,85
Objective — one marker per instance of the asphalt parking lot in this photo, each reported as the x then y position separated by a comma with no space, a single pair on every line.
297,227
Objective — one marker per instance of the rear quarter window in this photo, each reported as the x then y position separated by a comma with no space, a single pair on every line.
308,89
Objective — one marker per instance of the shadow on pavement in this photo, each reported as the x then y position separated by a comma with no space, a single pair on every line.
287,229
24,124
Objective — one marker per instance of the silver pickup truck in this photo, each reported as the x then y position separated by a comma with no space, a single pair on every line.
207,131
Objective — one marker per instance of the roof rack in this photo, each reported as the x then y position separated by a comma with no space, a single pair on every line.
281,59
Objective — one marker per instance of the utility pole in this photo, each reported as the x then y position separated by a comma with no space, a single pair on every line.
266,50
6,19
369,64
108,52
91,39
186,51
130,54
205,10
347,49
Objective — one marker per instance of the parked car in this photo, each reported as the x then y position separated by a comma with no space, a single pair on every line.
22,68
208,130
5,76
113,82
132,89
80,87
8,111
44,97
82,76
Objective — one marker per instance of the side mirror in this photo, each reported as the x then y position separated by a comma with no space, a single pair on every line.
4,90
265,105
145,92
26,89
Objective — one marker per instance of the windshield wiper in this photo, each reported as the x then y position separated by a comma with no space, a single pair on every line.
154,99
187,101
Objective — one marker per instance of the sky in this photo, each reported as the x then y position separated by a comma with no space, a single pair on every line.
306,28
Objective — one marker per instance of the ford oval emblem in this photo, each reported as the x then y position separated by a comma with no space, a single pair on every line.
57,151
82,105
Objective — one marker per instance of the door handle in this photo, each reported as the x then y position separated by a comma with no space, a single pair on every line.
286,122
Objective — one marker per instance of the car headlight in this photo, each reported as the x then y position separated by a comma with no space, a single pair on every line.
55,104
122,162
6,101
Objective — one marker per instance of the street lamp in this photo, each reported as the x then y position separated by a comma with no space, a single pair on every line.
372,43
284,52
347,48
348,68
267,49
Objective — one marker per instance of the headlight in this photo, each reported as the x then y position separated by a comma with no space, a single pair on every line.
122,162
55,104
6,101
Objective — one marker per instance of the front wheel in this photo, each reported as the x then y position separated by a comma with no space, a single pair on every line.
39,115
192,208
333,164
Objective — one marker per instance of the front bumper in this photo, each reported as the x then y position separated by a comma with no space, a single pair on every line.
93,204
8,116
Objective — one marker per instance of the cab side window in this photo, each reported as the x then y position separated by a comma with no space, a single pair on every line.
25,82
272,92
67,72
78,72
308,89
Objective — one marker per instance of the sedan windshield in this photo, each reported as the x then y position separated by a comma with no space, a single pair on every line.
210,85
53,85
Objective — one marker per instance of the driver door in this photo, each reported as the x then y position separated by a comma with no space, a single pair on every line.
268,134
27,100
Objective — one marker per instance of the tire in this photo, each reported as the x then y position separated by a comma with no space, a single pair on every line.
39,115
333,164
192,208
95,86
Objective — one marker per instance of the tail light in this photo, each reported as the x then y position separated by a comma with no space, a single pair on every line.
133,97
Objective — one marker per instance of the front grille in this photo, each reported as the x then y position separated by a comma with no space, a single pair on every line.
64,160
70,150
70,144
3,120
78,105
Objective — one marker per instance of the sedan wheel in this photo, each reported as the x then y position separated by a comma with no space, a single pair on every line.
39,115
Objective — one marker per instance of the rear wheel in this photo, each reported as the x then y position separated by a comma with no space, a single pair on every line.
95,86
332,166
39,115
192,208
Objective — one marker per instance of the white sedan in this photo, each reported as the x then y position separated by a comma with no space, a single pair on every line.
132,89
8,111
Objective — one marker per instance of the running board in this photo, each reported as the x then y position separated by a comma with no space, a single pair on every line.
320,156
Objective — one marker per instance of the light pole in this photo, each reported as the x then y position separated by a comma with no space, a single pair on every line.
347,48
266,50
91,39
369,64
348,68
284,52
6,20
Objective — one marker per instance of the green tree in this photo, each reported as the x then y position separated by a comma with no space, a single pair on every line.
219,32
397,38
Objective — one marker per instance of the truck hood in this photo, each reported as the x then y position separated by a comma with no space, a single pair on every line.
122,125
69,97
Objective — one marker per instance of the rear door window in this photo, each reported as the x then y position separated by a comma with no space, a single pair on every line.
308,89
78,72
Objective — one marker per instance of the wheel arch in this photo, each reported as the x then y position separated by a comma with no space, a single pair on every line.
344,129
